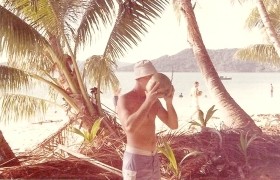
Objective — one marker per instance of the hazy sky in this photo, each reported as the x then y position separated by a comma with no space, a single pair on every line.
221,25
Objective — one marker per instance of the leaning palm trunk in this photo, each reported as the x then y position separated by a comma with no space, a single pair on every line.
236,116
7,157
272,35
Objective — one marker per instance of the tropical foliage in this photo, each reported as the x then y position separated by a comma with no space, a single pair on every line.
44,40
202,121
244,144
269,26
59,50
174,166
89,135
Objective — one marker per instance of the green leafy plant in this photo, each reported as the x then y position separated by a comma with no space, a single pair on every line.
90,135
245,142
167,151
193,153
202,122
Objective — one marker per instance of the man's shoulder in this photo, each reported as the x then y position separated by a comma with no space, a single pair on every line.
127,95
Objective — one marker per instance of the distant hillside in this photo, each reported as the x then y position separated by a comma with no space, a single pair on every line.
222,59
123,64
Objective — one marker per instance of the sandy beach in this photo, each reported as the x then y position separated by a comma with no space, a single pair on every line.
23,136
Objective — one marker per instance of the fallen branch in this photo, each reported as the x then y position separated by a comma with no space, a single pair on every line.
48,121
92,161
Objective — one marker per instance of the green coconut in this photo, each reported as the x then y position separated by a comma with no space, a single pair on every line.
165,85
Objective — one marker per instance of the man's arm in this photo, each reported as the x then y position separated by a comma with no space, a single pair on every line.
169,116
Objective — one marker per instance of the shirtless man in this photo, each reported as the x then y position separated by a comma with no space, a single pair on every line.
137,111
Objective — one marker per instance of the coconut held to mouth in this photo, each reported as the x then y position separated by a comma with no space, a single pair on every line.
165,85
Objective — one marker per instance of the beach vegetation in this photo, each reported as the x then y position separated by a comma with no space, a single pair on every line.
88,135
263,17
44,45
45,41
166,150
212,163
174,166
244,144
202,121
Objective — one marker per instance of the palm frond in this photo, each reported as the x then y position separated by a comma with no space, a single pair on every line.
132,21
13,79
210,113
97,68
254,20
98,13
259,53
39,14
40,65
18,38
177,9
191,154
22,107
201,118
66,14
195,123
49,17
167,151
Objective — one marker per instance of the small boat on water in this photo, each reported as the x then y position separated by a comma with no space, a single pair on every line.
225,78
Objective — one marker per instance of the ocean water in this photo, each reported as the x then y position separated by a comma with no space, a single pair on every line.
250,90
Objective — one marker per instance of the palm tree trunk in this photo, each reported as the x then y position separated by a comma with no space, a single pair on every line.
7,157
268,26
235,116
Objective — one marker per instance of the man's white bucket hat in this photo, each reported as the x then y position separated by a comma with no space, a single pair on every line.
144,68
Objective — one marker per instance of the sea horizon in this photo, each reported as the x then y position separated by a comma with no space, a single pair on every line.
250,90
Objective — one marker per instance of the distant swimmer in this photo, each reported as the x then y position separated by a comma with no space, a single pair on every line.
181,95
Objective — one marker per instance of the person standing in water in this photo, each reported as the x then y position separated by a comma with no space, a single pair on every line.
117,92
195,94
271,90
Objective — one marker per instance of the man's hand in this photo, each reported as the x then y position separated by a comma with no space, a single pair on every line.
153,94
169,97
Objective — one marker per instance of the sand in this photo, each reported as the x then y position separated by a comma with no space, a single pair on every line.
23,136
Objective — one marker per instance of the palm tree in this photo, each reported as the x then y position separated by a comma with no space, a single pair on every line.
236,116
267,20
43,39
272,35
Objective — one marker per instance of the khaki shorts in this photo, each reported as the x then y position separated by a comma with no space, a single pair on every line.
140,165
